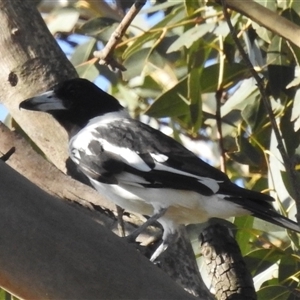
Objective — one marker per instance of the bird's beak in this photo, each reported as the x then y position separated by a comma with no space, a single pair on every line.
47,101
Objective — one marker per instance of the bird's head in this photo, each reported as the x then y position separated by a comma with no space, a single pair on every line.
76,101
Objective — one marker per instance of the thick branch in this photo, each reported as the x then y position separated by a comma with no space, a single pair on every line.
52,251
230,277
180,263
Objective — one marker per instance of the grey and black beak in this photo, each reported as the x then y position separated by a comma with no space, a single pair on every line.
46,102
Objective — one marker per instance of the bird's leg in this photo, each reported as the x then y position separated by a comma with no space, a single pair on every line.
132,237
121,227
168,241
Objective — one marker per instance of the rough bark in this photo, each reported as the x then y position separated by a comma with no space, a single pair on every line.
180,263
66,254
230,277
31,62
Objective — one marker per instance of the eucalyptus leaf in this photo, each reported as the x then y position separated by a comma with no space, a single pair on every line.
83,52
275,292
88,71
289,266
245,234
136,63
100,28
140,43
62,20
161,6
170,103
190,36
259,260
295,117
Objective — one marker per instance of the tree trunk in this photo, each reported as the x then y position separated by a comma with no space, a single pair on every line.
31,62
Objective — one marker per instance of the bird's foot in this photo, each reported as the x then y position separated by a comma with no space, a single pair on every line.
132,237
169,241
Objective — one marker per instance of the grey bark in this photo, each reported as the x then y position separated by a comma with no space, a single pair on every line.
230,277
31,62
51,251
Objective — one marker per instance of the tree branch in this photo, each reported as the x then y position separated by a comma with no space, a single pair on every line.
51,251
225,264
106,54
180,263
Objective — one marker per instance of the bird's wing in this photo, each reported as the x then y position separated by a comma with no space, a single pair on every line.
130,152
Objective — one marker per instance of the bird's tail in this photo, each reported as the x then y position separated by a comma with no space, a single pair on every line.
264,210
260,205
273,217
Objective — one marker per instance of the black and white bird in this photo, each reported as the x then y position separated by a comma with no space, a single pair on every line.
141,169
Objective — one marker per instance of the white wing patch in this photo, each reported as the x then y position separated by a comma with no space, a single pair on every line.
159,157
209,182
130,157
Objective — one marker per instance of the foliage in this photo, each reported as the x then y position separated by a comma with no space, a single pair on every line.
174,70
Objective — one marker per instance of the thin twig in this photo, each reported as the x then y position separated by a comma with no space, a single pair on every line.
260,84
219,129
219,94
106,54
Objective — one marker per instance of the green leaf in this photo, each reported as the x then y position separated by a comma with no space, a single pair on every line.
176,15
291,138
278,52
259,260
170,103
62,19
246,94
161,6
196,60
273,293
88,70
262,32
100,28
144,61
232,74
291,15
190,36
295,117
140,43
4,295
191,6
83,52
289,266
245,234
136,63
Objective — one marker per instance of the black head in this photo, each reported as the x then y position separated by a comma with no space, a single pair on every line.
75,101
